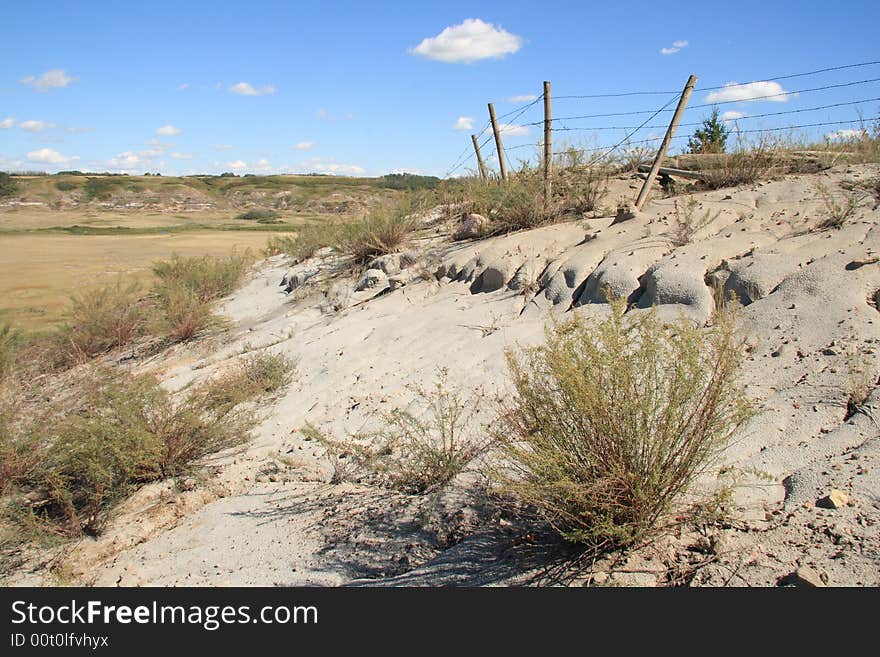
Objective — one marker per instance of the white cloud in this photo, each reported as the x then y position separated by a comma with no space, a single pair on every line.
674,48
48,156
224,147
328,166
844,134
237,165
324,115
733,91
182,156
247,89
168,131
470,41
526,98
184,86
732,115
513,130
464,123
7,123
35,126
53,79
304,145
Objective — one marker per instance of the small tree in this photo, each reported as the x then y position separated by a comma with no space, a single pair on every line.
711,137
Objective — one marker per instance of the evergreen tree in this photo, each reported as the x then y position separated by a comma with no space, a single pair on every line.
711,137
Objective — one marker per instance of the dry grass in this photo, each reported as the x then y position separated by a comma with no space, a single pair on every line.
518,203
840,208
412,454
612,422
386,230
688,222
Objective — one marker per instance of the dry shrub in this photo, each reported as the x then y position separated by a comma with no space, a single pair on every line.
518,203
181,315
688,222
102,319
68,462
384,230
840,209
746,165
412,454
612,421
209,278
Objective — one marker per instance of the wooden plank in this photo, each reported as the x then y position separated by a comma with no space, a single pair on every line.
680,173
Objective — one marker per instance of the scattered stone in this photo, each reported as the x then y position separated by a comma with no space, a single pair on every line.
187,483
470,226
804,576
780,350
625,212
834,500
372,278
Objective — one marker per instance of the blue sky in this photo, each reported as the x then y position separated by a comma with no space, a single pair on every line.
374,87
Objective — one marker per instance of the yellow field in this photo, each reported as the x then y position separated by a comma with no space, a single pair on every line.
38,272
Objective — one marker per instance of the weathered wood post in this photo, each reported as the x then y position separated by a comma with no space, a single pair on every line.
483,175
499,147
548,145
670,132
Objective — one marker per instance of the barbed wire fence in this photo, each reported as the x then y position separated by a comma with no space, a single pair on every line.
510,124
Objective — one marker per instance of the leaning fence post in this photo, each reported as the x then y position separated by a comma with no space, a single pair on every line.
499,147
548,145
483,175
670,132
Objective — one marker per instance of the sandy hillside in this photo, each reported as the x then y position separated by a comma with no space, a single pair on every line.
268,514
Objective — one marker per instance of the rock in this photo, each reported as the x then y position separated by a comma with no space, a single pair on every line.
297,277
805,576
372,278
829,351
187,483
625,212
403,278
390,263
337,297
780,350
834,500
470,226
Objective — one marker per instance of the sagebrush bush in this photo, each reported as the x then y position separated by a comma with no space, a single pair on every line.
612,421
102,319
208,277
688,222
413,454
181,314
72,460
253,375
383,231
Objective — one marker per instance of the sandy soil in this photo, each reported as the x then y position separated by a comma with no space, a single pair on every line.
267,515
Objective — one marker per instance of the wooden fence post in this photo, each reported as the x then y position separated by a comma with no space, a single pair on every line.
548,145
499,147
483,175
670,132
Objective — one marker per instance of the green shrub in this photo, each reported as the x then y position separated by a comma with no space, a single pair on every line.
252,376
101,189
208,277
612,421
65,185
711,137
69,462
8,186
260,216
102,319
181,314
